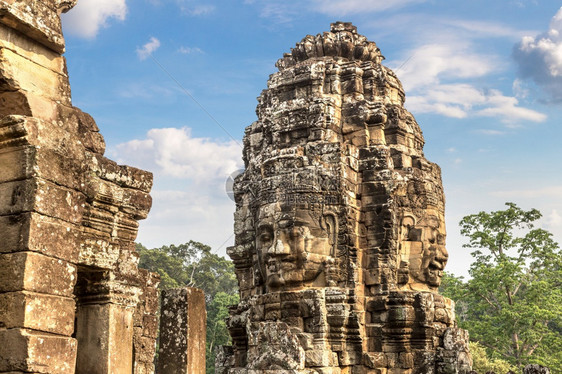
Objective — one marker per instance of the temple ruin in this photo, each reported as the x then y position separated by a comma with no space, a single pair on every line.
72,298
339,224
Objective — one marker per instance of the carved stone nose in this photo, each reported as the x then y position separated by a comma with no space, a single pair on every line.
278,248
443,252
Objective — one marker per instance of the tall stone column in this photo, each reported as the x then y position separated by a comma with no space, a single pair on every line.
183,326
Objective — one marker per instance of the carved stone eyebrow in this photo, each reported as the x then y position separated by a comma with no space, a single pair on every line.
265,226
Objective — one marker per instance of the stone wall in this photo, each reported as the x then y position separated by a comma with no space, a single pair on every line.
71,295
339,224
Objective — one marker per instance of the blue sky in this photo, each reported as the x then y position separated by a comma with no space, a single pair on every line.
173,83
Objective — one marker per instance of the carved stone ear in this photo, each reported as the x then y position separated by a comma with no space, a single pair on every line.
331,226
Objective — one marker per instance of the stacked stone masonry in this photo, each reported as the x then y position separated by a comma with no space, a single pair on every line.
339,224
72,298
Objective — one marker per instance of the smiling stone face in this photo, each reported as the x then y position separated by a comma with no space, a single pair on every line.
424,247
294,245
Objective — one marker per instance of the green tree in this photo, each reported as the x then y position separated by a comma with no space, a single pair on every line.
512,303
481,363
193,264
217,332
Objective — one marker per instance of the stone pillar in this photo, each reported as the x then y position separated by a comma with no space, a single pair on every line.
183,321
104,327
145,324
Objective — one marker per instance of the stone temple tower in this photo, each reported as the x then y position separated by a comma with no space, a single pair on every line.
339,223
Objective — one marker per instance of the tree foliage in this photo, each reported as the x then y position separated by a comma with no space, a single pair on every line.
512,304
481,363
193,264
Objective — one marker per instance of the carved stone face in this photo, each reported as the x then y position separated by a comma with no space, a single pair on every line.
294,245
425,248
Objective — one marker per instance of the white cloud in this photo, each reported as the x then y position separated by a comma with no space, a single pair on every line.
554,219
193,213
540,58
430,63
450,100
554,192
505,108
430,66
462,100
189,197
189,7
489,132
88,16
346,7
523,3
285,11
174,152
196,9
150,47
520,89
190,50
477,28
280,12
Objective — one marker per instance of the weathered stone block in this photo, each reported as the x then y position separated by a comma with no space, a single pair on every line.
13,163
317,357
224,359
406,360
39,233
125,176
151,300
34,352
278,348
25,47
150,326
36,311
143,368
98,252
375,360
26,75
145,349
29,271
43,197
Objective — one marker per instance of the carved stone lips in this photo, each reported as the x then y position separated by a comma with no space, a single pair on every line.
437,265
274,265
